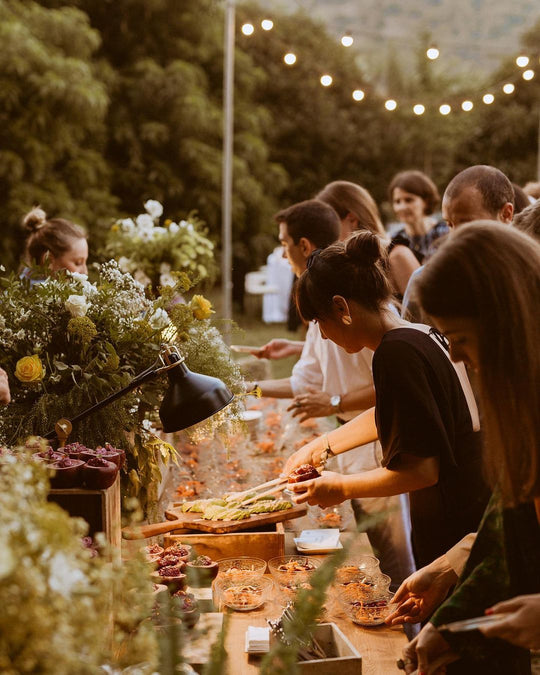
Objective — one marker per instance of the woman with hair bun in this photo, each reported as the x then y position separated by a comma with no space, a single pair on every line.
55,242
425,415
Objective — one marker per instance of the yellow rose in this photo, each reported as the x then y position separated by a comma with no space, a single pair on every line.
29,369
201,307
115,227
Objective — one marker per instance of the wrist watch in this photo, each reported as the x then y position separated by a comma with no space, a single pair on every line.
335,402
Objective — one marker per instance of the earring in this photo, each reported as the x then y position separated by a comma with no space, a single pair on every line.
347,320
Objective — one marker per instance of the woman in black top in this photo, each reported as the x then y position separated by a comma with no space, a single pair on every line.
424,415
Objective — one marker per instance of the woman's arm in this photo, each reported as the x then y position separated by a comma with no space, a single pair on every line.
402,263
358,431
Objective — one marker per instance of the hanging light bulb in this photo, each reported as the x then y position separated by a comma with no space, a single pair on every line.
326,80
347,40
467,106
432,53
488,98
290,58
527,74
390,104
522,61
419,109
267,24
445,109
358,94
508,88
248,29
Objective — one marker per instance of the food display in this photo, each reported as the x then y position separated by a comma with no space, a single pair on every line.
172,576
292,570
223,509
183,550
201,571
241,569
244,597
48,455
302,473
154,549
185,607
371,612
65,472
108,452
99,474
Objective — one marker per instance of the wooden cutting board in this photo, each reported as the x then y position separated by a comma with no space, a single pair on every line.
193,521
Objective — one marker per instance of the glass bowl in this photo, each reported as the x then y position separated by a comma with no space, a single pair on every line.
242,569
243,597
368,612
292,570
339,517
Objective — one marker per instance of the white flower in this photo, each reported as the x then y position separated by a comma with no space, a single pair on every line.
20,334
124,263
183,223
76,305
144,222
154,208
160,230
173,228
142,278
164,268
159,319
78,276
127,225
167,279
64,576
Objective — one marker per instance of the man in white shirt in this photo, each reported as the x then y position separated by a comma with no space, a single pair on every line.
326,381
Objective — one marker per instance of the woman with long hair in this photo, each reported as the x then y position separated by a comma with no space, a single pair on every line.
425,416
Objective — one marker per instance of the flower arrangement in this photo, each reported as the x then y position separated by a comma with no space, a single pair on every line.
64,608
67,343
153,253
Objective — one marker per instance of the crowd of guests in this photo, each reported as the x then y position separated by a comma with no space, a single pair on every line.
398,329
425,347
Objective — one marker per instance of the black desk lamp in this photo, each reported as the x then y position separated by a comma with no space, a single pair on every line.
190,398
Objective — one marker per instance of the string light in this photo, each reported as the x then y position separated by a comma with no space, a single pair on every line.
267,24
467,106
445,109
488,98
527,74
326,80
290,58
419,109
347,40
358,94
432,53
248,29
522,61
390,104
508,88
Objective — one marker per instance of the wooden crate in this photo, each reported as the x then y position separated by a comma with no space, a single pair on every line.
264,542
100,509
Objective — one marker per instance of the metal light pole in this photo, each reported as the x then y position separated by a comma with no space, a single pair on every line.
227,177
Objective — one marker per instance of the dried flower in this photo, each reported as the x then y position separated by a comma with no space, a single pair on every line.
82,328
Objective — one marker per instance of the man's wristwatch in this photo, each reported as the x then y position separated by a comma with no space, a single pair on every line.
335,402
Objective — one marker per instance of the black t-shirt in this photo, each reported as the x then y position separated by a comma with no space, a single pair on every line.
421,410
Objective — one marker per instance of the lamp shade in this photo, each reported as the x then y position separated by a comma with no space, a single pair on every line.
191,398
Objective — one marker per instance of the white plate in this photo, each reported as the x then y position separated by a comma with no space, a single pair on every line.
317,550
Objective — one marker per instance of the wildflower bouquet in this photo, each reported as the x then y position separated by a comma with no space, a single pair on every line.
67,343
153,253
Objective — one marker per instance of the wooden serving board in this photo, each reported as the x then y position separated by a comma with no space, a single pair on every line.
193,521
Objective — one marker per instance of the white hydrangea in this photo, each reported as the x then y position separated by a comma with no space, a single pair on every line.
124,263
144,222
76,305
159,319
154,208
127,225
64,576
160,231
173,228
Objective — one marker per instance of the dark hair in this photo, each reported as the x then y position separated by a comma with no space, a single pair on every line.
48,236
495,188
346,197
490,272
521,201
417,183
312,219
528,220
532,188
354,269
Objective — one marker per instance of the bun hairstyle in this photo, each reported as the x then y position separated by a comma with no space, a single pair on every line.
48,236
354,268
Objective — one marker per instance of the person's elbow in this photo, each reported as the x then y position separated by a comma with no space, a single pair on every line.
423,471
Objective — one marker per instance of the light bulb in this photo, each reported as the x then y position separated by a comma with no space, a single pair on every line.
445,109
248,29
467,106
419,109
508,88
347,40
527,74
390,104
432,53
358,94
267,24
522,61
290,58
488,98
326,80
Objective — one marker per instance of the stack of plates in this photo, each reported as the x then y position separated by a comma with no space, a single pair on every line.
318,541
257,640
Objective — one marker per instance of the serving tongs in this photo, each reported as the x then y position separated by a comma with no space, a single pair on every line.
308,649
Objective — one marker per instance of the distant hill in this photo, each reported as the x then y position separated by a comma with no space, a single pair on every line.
471,34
